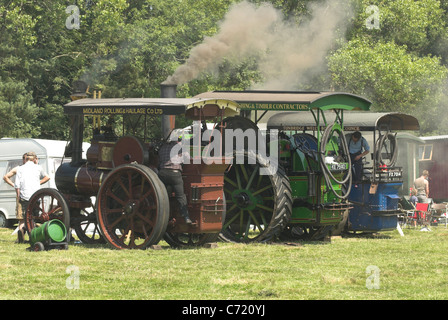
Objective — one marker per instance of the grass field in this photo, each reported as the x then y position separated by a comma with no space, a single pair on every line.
411,267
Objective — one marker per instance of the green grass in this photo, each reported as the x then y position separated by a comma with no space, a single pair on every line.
411,267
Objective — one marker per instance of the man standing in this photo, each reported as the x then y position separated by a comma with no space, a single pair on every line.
170,172
421,184
358,148
28,180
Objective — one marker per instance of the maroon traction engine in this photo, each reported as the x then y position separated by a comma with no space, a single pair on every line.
115,194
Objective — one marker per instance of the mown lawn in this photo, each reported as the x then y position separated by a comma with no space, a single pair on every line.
410,267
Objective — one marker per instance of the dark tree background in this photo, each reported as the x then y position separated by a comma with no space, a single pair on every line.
396,56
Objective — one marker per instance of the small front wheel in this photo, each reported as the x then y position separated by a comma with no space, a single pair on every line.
38,246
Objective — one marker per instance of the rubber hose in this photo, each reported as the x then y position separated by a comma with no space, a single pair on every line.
324,139
393,143
326,172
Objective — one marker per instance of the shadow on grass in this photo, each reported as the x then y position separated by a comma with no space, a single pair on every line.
165,246
365,235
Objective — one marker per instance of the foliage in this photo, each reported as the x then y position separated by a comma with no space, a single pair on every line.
400,66
154,39
387,74
127,48
16,110
419,25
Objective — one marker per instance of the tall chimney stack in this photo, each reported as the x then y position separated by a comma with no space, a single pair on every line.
167,91
79,91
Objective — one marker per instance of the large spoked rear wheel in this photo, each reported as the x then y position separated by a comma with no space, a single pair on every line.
258,206
44,205
132,207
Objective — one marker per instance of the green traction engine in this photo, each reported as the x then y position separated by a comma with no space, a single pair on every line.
305,193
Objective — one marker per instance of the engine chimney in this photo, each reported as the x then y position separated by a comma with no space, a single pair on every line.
80,90
167,91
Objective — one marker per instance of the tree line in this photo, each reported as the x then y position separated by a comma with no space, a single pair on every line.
394,53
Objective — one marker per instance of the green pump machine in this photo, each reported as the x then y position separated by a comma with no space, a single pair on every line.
301,192
50,235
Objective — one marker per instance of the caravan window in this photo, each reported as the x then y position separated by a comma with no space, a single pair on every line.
425,152
9,166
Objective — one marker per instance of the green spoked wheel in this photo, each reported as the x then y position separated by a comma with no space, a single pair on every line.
132,208
258,205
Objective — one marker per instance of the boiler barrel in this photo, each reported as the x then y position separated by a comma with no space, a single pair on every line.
79,180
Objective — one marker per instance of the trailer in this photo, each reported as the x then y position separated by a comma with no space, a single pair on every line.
432,154
50,154
408,159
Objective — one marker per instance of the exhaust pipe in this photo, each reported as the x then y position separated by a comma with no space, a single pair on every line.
74,150
167,91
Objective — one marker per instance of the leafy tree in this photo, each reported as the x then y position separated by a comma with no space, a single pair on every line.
17,110
129,47
418,24
151,41
392,78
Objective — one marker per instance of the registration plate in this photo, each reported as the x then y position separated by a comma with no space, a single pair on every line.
394,174
338,166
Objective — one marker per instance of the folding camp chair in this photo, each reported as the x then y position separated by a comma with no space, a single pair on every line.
438,213
422,215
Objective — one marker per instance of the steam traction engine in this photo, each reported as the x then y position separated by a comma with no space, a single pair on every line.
308,192
133,208
374,199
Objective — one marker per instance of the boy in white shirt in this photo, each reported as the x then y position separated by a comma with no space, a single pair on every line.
29,177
